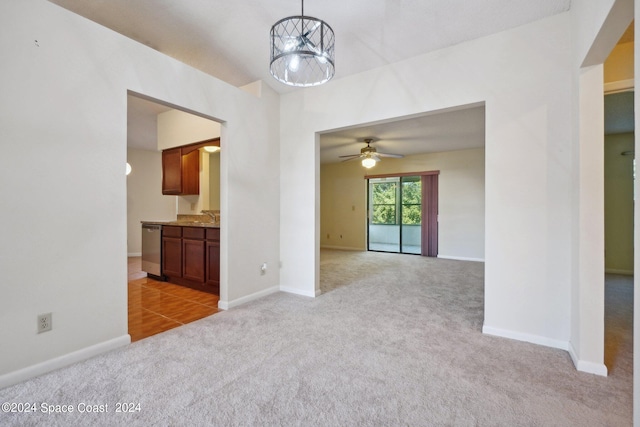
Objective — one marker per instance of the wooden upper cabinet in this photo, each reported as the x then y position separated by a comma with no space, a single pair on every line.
172,171
191,173
180,173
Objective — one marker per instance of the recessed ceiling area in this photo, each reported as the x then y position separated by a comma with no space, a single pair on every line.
454,129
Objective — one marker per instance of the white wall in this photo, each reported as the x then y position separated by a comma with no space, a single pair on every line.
145,201
592,45
460,201
63,115
524,76
176,128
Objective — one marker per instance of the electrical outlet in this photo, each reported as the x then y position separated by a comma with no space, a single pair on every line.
44,322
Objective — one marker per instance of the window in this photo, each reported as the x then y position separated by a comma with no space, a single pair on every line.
411,200
384,203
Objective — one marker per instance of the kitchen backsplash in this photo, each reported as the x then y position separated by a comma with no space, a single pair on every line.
207,216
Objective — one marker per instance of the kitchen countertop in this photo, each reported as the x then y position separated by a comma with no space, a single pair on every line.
185,223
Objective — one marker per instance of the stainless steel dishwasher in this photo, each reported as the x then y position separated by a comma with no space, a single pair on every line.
152,250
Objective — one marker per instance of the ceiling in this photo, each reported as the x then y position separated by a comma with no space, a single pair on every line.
230,40
142,123
450,130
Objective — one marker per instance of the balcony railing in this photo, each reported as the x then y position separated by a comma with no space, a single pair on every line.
386,238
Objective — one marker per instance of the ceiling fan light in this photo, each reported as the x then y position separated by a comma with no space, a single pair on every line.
302,51
368,162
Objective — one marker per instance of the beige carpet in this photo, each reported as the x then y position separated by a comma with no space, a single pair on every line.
394,340
618,322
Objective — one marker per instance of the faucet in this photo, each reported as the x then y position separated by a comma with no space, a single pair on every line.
212,214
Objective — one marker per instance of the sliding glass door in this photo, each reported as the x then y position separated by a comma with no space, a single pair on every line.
384,229
411,210
395,214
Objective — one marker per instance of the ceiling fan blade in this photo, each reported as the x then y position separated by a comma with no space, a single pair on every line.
351,155
352,158
395,156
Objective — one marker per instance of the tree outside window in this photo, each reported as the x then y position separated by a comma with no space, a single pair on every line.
411,200
384,203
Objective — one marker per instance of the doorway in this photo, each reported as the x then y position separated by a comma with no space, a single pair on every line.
619,179
402,213
395,215
155,306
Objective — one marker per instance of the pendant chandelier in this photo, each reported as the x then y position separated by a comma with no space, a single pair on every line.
302,51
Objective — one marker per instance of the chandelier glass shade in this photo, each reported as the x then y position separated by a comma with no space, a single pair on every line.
302,51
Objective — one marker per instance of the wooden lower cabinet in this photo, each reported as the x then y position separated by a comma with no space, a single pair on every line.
193,259
213,267
172,256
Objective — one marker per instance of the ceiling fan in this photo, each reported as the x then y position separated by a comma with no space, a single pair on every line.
369,155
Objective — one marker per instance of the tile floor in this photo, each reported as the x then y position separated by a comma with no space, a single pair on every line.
156,306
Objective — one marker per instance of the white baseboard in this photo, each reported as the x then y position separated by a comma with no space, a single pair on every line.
588,367
342,248
134,254
616,271
311,294
581,365
225,305
29,372
460,258
534,339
